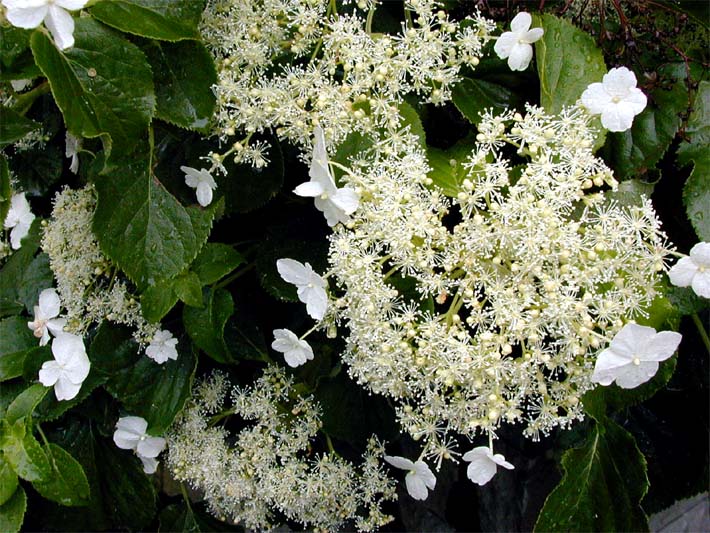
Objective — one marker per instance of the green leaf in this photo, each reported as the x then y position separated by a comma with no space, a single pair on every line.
410,118
103,84
8,481
17,338
67,483
568,60
22,451
206,325
5,189
14,292
142,227
355,145
147,389
603,483
447,170
14,126
247,188
166,20
696,193
686,301
178,517
631,192
184,74
12,512
215,261
157,300
25,403
632,152
188,288
243,336
472,97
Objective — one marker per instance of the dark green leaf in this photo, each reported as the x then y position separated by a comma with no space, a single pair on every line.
178,517
206,325
12,512
103,84
686,301
188,288
67,483
13,290
354,145
157,300
142,227
247,188
147,389
5,189
8,392
215,261
602,486
17,338
25,403
50,409
166,20
696,193
633,152
410,118
472,97
631,192
243,336
8,480
13,126
22,451
13,43
184,73
447,170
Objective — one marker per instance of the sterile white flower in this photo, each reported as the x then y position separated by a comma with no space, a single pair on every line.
69,368
131,434
202,181
633,355
19,218
419,480
296,351
515,45
484,464
73,145
616,99
336,204
694,271
45,313
311,287
31,13
162,347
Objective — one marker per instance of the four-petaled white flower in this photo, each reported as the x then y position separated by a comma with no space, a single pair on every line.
694,271
296,351
73,145
45,313
633,356
515,45
31,13
69,368
19,218
162,347
419,480
484,464
202,181
616,99
336,204
311,287
131,434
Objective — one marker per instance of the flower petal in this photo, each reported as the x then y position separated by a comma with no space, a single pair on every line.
505,44
399,462
49,373
425,474
416,486
49,303
595,98
681,274
520,56
521,22
56,325
701,284
66,346
607,366
150,464
316,301
617,117
126,440
18,233
347,200
319,169
533,35
132,424
700,254
482,467
309,189
61,24
27,17
294,272
150,446
618,81
204,194
630,339
636,100
71,5
499,459
632,376
662,346
65,389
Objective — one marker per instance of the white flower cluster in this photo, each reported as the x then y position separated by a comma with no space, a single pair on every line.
354,79
269,468
86,282
515,284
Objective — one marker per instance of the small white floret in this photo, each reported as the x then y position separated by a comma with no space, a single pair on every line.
31,13
419,480
71,150
162,347
19,218
633,356
69,368
296,351
310,286
203,183
336,204
45,321
694,270
516,44
484,464
616,99
131,434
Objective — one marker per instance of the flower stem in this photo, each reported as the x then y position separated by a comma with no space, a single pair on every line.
702,331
